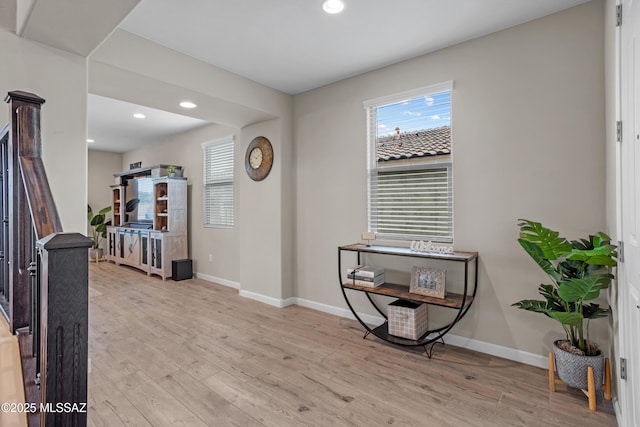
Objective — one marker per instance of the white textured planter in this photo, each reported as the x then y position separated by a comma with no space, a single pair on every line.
92,254
572,368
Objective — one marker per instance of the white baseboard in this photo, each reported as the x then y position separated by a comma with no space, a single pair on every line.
464,342
337,311
280,303
224,282
498,350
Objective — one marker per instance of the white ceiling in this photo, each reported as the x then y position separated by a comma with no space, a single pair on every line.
293,46
113,127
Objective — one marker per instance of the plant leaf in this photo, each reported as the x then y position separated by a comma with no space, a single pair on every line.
550,293
105,210
98,219
577,290
552,245
567,318
594,311
536,253
532,305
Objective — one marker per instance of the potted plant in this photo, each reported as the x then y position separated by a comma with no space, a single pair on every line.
99,225
579,270
171,170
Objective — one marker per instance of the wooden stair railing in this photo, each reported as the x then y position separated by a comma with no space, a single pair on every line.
43,276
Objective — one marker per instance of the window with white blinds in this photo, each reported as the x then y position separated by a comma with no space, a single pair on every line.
410,191
218,183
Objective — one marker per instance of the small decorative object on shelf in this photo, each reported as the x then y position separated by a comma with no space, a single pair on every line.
368,237
368,276
135,165
407,319
420,246
171,170
427,281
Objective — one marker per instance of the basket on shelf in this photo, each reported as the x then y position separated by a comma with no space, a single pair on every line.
407,319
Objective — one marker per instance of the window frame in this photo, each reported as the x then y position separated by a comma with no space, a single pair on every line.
226,180
412,164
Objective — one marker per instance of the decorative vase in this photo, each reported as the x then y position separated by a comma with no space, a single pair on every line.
92,253
572,368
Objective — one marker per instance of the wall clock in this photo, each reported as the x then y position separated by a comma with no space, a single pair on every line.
259,158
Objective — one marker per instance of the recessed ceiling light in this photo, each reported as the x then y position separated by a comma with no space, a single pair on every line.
187,104
333,6
90,140
139,116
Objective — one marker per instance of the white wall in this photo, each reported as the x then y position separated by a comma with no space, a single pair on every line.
528,142
101,167
133,69
60,78
260,219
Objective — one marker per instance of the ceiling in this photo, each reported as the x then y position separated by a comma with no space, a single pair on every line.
293,46
112,126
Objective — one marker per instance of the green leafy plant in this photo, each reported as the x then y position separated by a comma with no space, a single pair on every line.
99,224
579,271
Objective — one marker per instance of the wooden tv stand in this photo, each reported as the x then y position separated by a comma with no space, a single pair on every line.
150,247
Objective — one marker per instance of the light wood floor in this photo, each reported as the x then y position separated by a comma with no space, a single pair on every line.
193,353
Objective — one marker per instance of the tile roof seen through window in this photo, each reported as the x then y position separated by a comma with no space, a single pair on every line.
408,145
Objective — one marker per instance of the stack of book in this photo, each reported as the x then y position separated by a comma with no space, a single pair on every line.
365,275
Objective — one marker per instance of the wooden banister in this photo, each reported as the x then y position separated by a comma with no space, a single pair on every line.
47,293
41,205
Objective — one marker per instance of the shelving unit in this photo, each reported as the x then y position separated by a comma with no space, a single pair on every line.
117,204
152,247
460,302
162,198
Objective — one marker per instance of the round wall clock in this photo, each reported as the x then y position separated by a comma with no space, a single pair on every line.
259,158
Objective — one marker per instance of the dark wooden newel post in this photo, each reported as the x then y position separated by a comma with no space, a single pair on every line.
64,326
24,139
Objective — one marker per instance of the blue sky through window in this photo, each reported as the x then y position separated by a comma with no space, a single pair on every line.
411,115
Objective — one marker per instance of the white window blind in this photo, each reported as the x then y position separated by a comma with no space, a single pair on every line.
410,190
218,183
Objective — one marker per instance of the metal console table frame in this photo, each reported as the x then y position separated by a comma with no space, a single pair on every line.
461,302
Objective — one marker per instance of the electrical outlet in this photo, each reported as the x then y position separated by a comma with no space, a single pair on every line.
210,257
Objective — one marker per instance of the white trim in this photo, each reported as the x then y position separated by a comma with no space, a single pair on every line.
408,94
217,280
617,407
498,350
280,303
338,311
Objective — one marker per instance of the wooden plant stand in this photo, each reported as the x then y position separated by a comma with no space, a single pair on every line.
590,392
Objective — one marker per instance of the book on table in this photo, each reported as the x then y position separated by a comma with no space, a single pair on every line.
366,271
362,275
365,283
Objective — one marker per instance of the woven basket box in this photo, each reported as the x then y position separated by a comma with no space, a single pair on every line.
407,319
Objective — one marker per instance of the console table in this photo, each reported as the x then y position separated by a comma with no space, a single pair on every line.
458,303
